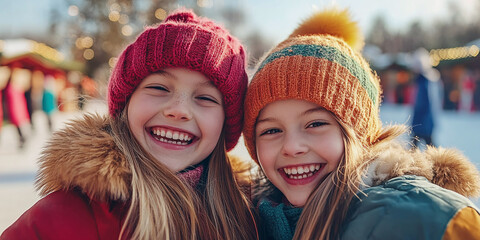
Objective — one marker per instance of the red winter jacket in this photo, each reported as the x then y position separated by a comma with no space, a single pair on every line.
86,184
68,215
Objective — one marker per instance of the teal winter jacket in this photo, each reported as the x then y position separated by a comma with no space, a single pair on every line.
406,207
405,195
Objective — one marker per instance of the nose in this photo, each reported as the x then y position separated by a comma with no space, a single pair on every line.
178,108
294,145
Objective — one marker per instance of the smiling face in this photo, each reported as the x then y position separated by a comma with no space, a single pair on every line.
298,143
177,116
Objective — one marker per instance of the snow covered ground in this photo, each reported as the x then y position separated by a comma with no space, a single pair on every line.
18,167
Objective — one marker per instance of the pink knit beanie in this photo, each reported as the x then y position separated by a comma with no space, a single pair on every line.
185,40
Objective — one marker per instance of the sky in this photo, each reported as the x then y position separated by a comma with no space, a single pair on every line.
278,18
273,18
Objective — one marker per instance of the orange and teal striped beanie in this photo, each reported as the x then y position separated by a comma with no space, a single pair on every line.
320,63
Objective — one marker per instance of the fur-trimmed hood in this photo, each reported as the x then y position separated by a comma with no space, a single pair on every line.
84,155
447,168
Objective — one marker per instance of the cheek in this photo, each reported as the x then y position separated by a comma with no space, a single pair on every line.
211,122
333,149
135,122
266,156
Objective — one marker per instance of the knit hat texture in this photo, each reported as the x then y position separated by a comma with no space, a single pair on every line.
316,64
185,40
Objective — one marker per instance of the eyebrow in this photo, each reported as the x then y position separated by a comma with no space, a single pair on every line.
314,110
164,73
309,111
208,83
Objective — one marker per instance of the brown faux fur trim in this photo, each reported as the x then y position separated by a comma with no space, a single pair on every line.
447,168
452,170
84,155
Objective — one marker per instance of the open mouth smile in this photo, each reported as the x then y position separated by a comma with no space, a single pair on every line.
172,136
302,172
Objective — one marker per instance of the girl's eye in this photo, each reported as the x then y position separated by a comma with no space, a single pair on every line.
270,131
158,87
207,98
316,124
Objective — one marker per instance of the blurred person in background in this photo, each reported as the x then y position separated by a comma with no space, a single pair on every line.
476,91
427,101
16,103
49,99
4,75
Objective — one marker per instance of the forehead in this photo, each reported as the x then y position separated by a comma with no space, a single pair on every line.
181,74
288,107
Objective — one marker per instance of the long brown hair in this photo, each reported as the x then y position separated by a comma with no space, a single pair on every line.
162,206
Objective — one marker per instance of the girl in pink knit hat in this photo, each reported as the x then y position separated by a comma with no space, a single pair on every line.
157,166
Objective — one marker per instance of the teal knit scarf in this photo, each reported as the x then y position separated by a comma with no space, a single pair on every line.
278,220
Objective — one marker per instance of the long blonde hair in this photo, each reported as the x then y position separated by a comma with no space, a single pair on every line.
327,206
162,206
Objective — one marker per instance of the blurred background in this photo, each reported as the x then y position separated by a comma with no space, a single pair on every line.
56,57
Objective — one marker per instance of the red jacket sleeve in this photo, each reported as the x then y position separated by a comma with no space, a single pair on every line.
60,215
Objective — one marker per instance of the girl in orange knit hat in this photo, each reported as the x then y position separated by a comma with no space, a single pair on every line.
156,167
330,170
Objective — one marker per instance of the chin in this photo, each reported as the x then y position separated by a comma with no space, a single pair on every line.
297,202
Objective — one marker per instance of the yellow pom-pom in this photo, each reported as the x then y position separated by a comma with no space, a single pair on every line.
333,22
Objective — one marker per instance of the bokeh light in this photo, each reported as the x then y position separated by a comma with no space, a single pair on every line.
115,7
114,16
123,19
205,3
112,61
88,54
127,30
73,10
160,13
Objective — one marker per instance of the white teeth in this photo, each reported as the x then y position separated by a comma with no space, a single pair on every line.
302,172
300,176
175,135
172,142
